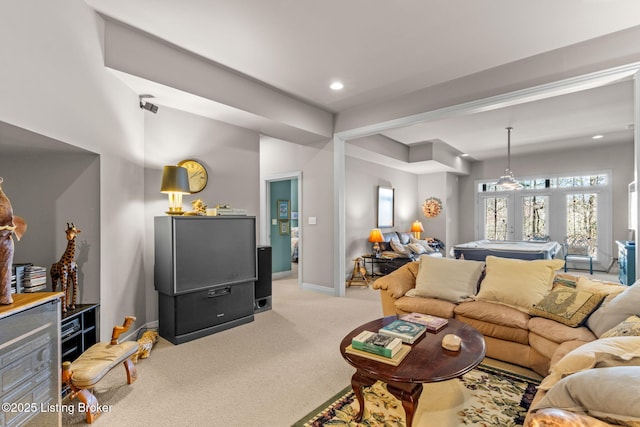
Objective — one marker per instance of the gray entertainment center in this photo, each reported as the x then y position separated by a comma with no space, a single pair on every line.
205,270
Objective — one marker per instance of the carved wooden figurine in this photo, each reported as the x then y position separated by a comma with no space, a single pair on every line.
66,270
9,225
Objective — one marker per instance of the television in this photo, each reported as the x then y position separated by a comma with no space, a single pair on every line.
193,253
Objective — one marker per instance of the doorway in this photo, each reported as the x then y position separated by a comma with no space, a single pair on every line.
283,225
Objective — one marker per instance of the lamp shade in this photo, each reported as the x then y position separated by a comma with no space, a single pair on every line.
376,236
175,179
416,227
508,181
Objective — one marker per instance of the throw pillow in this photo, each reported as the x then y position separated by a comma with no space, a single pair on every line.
609,288
567,305
399,247
628,328
422,243
604,352
417,249
517,283
449,279
565,280
623,305
609,394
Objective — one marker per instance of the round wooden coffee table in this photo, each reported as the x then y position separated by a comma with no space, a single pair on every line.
426,362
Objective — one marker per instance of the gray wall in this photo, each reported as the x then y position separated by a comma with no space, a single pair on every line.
48,191
315,162
229,153
362,181
56,85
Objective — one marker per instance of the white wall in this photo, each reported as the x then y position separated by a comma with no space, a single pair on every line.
53,82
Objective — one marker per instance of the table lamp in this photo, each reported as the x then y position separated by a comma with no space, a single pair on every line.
376,237
416,229
175,183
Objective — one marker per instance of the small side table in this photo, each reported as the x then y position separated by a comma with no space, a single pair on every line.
373,260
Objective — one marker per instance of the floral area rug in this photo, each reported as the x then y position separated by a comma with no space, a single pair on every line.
483,397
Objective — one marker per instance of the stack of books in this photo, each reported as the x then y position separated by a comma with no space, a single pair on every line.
35,278
379,347
432,323
231,211
372,342
17,277
408,332
14,284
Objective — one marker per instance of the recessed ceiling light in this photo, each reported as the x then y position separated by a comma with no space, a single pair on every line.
597,136
464,155
336,86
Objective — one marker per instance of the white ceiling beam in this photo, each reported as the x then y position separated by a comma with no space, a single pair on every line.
147,57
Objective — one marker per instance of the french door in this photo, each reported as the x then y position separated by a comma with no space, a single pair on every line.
513,216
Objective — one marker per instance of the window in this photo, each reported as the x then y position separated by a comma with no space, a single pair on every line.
552,207
495,218
582,216
534,217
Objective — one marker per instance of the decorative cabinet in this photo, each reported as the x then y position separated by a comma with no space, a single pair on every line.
30,359
205,272
79,330
626,262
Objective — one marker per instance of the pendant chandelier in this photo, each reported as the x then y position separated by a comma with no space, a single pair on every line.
507,181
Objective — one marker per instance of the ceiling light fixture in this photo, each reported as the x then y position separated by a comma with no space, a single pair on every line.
145,105
597,137
336,86
507,180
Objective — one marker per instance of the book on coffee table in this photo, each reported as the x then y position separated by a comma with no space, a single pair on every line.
394,361
433,323
408,332
373,342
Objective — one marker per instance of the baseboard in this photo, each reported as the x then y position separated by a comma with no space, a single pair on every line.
318,288
133,335
280,275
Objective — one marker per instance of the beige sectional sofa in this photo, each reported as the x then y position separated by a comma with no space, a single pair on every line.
529,314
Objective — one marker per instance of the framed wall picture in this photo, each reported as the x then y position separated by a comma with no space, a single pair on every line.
385,207
283,225
283,209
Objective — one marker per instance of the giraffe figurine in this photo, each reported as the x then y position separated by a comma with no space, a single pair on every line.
66,270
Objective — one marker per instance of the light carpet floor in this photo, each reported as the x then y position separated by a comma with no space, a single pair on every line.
268,373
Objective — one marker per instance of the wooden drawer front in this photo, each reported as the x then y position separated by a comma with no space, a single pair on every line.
202,309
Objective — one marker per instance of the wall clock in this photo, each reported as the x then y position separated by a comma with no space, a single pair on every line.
197,175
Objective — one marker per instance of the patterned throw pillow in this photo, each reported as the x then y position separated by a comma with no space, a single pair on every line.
565,280
567,305
630,327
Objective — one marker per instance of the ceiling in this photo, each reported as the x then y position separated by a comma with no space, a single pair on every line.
383,49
